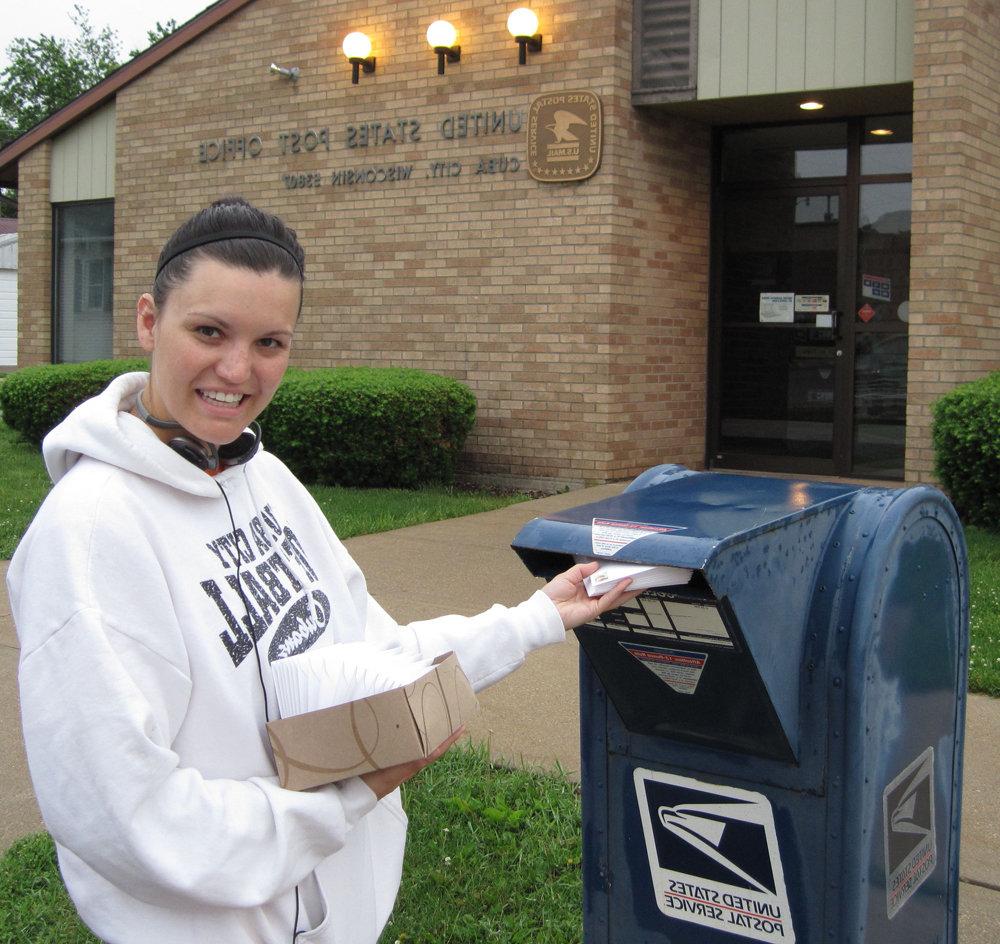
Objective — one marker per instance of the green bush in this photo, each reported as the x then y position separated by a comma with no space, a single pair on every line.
369,426
352,426
966,435
35,399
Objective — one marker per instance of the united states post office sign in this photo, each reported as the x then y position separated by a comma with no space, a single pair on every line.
564,136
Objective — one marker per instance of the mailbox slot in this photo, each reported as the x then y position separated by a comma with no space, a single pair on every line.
674,664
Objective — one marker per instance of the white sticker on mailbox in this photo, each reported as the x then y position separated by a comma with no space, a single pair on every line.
910,842
610,535
713,856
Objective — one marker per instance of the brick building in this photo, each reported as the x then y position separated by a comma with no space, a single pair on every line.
635,248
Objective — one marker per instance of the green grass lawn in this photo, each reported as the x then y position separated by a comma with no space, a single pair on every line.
25,484
34,906
984,608
492,855
353,511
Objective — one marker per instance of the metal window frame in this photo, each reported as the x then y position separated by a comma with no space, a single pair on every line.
55,355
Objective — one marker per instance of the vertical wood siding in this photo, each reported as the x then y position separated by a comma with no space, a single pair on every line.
760,47
83,159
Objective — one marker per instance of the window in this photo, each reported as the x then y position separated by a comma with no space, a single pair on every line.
83,267
787,153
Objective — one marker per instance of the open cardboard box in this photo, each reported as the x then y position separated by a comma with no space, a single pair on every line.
390,728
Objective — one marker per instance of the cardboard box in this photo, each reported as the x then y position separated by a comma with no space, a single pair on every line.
393,727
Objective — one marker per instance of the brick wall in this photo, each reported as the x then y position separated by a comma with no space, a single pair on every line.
34,258
580,333
955,261
659,311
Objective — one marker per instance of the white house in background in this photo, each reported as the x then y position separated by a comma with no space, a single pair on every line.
8,299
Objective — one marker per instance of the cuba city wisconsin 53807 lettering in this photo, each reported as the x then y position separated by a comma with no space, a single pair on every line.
376,175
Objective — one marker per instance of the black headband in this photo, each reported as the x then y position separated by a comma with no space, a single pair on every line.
204,240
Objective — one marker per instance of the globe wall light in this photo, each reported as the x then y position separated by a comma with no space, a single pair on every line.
358,49
522,24
442,36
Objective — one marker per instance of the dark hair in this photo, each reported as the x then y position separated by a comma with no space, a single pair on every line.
234,232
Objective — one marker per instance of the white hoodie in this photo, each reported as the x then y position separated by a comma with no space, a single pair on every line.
142,708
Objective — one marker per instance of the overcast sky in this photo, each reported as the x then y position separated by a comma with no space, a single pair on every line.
130,19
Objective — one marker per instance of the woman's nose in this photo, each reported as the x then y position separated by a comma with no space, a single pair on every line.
234,365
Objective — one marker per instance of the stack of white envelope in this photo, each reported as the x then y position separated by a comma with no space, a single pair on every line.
643,576
334,675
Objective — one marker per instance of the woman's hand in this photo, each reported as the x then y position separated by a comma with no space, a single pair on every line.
569,595
383,782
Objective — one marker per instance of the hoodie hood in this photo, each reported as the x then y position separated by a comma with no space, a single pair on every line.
102,428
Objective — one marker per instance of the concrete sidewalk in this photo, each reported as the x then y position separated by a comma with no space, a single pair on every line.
532,716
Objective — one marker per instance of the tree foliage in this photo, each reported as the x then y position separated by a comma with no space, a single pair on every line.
154,35
45,73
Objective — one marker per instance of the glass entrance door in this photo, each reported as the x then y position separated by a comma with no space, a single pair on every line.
810,298
879,330
780,318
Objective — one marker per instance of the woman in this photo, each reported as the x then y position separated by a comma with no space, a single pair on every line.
172,562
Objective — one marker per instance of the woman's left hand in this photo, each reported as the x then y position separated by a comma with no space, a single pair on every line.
569,595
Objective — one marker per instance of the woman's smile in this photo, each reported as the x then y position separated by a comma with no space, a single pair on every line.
219,397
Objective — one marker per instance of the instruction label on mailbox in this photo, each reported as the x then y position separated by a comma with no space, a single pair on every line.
680,670
713,856
610,535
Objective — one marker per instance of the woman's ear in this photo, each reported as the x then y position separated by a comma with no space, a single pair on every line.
145,321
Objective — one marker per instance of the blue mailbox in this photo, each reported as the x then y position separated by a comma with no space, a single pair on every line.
773,749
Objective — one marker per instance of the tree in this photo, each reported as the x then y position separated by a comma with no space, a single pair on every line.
158,32
46,73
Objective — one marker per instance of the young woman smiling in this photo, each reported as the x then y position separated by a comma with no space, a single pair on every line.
150,599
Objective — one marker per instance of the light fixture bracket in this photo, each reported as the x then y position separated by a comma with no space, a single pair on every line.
524,43
449,53
359,65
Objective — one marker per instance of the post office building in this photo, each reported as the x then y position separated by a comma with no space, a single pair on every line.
733,234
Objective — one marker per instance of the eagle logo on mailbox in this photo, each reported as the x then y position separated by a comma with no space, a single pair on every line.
713,856
910,840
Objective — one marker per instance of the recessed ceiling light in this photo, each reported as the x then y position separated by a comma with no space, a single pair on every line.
810,106
882,132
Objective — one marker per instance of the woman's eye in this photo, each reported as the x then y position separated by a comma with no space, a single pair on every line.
270,342
207,331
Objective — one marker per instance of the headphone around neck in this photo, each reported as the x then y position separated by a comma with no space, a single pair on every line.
203,455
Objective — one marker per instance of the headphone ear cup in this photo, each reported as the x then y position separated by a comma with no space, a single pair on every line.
194,452
242,449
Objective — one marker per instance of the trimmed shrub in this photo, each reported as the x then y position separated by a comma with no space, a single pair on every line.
966,435
358,426
35,399
369,426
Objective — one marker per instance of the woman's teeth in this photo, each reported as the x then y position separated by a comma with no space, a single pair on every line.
222,397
